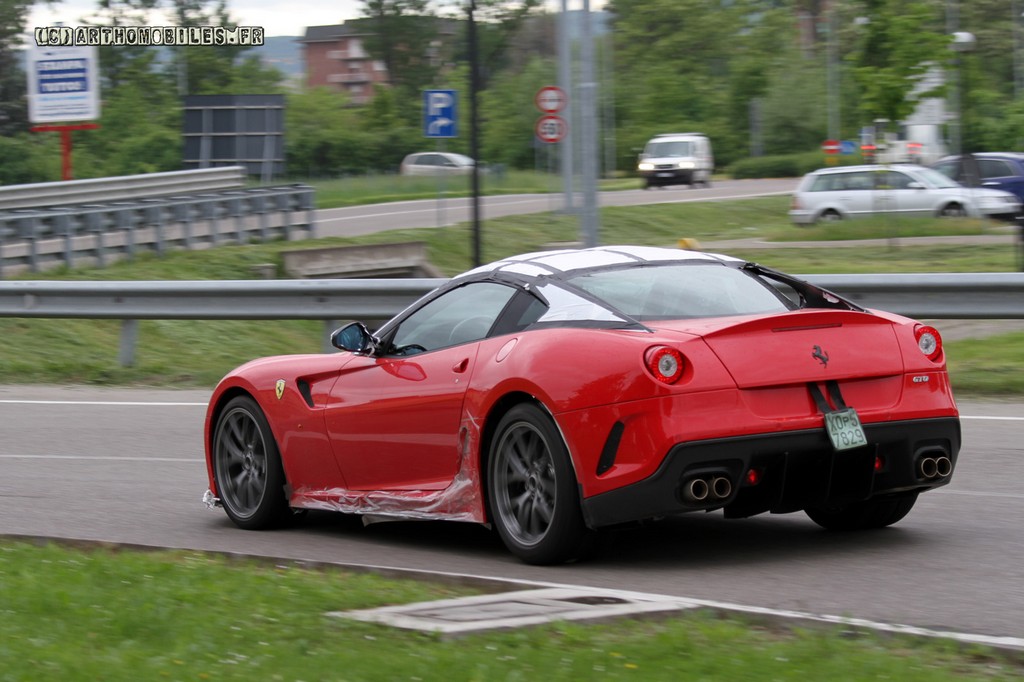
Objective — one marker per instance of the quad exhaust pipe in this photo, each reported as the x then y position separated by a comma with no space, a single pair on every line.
934,467
705,488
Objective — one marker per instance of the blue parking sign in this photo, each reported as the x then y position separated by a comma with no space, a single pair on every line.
440,113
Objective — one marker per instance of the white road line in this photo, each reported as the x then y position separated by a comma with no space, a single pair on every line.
100,458
114,403
996,419
425,209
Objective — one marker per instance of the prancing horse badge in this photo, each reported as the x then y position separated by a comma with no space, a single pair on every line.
279,388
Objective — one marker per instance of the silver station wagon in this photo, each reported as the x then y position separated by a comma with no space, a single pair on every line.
844,192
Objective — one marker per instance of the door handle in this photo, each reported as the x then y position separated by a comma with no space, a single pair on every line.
461,366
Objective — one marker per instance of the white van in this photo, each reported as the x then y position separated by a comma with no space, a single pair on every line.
677,159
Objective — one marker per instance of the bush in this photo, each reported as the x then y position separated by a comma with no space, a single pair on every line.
786,165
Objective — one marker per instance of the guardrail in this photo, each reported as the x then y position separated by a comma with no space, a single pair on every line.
95,234
938,296
120,188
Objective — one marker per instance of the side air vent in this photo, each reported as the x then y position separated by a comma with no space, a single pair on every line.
610,449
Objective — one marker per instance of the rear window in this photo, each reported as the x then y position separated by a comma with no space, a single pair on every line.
677,291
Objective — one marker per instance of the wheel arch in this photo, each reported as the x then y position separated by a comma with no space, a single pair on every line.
820,215
498,410
213,415
957,203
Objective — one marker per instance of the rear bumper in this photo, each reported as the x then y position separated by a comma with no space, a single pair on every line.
797,469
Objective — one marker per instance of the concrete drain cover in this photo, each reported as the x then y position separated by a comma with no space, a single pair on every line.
515,609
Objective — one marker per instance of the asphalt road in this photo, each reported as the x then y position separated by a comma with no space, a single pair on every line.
126,466
357,220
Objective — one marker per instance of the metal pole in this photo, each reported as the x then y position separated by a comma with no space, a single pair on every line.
952,26
833,75
589,223
608,123
474,133
1015,28
565,82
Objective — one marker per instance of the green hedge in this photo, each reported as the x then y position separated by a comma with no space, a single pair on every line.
786,165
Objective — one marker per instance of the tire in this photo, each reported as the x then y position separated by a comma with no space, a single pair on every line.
877,513
831,216
953,211
531,489
247,467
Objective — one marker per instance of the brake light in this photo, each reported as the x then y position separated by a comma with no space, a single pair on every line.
928,341
665,364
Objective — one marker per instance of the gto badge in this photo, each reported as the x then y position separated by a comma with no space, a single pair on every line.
279,388
820,355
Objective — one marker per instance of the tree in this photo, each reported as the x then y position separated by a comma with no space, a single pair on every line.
206,70
903,41
13,105
404,37
500,25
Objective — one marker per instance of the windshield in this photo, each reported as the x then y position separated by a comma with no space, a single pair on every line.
669,148
677,291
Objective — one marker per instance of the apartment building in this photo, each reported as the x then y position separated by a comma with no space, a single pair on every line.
336,56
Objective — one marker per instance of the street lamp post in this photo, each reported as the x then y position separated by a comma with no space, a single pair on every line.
963,42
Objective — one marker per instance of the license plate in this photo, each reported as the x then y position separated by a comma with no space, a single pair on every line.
664,175
844,429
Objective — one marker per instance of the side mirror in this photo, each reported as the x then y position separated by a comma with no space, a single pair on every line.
914,185
353,337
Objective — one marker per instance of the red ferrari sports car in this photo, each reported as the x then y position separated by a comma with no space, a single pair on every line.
554,394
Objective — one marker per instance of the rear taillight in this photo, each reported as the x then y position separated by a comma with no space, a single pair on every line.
928,341
665,364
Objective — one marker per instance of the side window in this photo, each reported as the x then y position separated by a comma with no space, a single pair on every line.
947,168
823,183
993,168
897,180
459,316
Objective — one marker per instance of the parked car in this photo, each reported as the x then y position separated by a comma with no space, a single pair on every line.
436,163
676,159
908,190
996,170
552,394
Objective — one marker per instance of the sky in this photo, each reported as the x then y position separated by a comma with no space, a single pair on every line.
279,18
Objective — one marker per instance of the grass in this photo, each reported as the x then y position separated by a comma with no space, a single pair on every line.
198,353
71,614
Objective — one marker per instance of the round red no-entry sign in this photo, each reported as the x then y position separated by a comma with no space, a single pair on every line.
830,146
550,99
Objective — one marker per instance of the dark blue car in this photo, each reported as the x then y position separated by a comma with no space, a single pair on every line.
997,170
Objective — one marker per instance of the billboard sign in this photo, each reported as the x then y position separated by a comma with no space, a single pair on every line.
63,84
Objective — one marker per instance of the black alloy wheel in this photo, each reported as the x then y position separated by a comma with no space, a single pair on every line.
532,492
247,466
